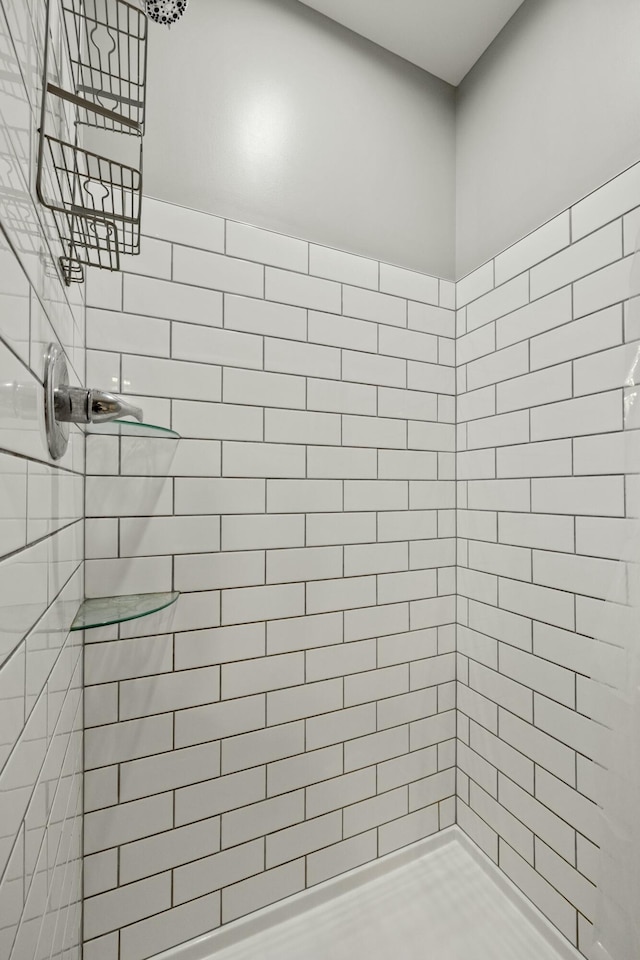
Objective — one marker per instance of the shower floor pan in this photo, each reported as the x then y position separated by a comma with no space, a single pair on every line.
440,899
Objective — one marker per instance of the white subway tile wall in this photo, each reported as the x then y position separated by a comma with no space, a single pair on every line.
297,718
41,543
541,489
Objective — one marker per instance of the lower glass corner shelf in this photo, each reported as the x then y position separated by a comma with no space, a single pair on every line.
105,611
131,428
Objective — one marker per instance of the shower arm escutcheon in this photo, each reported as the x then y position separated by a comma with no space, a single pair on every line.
64,404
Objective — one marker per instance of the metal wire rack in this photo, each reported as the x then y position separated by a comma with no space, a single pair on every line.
107,48
95,198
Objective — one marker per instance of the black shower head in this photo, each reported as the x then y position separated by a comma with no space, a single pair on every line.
166,11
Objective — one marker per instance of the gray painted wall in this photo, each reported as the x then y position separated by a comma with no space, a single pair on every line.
267,112
548,113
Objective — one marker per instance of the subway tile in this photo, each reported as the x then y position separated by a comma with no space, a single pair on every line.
173,927
340,791
543,459
268,887
335,397
535,389
124,906
341,462
603,371
211,345
265,318
478,343
301,426
211,571
539,603
406,708
143,858
544,314
375,811
256,820
345,332
536,888
410,344
474,285
262,460
375,495
303,839
379,307
500,301
261,532
217,272
170,222
147,376
513,495
300,633
588,335
588,496
222,421
262,603
368,368
257,676
376,748
119,742
407,404
608,202
313,766
406,464
343,267
502,365
264,246
339,726
200,648
546,751
168,771
307,700
598,413
127,822
201,800
255,749
408,283
547,532
429,319
581,258
301,291
591,576
502,430
303,359
201,496
219,870
341,528
174,691
108,330
375,558
304,496
170,300
542,243
341,857
375,685
263,389
430,377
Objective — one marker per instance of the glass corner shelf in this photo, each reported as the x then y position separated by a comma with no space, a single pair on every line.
131,428
105,611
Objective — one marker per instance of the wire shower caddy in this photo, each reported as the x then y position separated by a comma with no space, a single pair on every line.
95,197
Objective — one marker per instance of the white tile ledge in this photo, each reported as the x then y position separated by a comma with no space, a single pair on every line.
208,945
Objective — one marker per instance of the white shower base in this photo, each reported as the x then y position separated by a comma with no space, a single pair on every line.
440,899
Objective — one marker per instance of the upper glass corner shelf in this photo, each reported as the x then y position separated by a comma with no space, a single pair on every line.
105,611
131,428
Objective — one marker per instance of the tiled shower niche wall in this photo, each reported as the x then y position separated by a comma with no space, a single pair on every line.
546,341
41,545
297,717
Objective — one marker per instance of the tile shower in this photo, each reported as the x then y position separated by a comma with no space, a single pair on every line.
393,516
